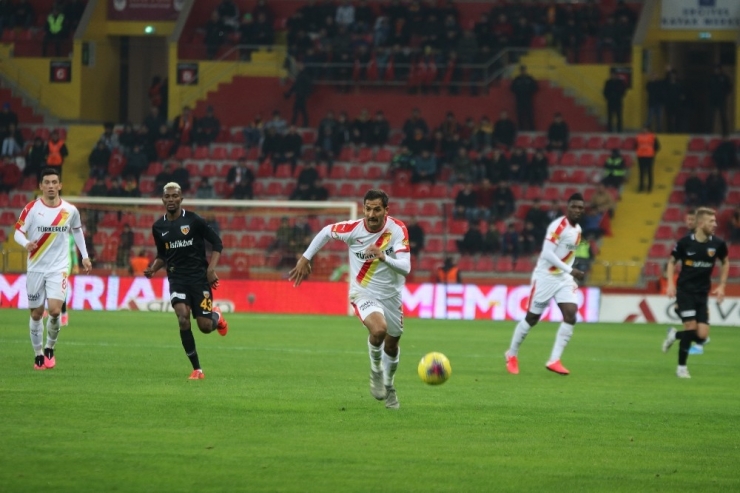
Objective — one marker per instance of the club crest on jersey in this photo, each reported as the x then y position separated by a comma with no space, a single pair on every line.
711,251
185,229
206,294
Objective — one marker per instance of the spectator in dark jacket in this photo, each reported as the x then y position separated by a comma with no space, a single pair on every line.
504,202
181,175
35,158
715,188
472,241
693,189
241,179
558,134
524,88
379,130
655,98
215,35
725,155
207,128
510,242
614,92
416,236
98,160
538,169
137,162
720,87
504,131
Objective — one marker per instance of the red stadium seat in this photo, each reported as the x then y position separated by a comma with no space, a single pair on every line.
201,153
427,263
338,173
523,140
664,232
183,152
410,208
576,143
629,144
533,193
283,171
579,176
524,265
568,159
504,264
236,153
673,214
539,142
697,144
347,154
383,155
676,197
595,142
376,172
274,189
433,245
550,193
612,142
431,209
659,250
421,191
229,240
559,176
485,264
691,162
219,153
348,190
457,227
586,159
365,155
356,173
466,264
713,143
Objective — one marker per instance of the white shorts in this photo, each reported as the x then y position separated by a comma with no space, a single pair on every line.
41,286
544,288
391,309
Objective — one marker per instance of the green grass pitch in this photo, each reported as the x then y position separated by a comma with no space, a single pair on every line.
285,406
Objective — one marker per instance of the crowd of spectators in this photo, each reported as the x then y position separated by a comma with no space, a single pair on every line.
22,158
471,151
425,43
57,25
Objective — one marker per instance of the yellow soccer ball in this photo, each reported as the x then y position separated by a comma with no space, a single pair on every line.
434,369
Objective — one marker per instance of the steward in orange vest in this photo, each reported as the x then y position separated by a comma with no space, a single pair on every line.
647,146
56,151
448,273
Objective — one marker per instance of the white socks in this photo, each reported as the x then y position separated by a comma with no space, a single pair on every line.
521,331
52,332
390,364
37,336
561,340
375,356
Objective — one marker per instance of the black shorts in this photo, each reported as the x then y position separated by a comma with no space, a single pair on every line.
692,307
198,296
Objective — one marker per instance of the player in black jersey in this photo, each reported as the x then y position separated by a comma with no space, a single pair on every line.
697,253
180,238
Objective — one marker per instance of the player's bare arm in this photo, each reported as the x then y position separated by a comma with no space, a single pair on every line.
669,272
719,291
156,265
31,246
301,271
211,270
86,265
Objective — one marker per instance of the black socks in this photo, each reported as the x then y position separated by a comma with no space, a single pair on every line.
188,344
